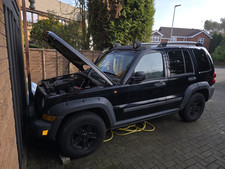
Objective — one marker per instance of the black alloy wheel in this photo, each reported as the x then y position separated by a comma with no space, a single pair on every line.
84,137
81,134
194,108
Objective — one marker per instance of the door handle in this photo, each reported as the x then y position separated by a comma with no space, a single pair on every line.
160,84
191,78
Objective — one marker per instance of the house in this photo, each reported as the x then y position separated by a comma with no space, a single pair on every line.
182,34
62,12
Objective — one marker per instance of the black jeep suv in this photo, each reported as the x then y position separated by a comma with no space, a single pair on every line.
125,85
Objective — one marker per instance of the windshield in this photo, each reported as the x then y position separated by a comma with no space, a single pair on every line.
116,62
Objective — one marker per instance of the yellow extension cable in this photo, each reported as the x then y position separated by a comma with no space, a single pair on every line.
130,129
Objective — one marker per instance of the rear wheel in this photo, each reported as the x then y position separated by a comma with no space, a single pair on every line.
81,134
194,108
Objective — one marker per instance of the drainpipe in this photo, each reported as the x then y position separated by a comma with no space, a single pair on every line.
27,44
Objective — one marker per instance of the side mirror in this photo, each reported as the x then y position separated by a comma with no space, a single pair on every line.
138,77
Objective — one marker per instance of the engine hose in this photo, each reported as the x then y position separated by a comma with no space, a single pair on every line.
129,130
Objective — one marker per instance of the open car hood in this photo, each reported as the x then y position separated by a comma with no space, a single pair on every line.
72,54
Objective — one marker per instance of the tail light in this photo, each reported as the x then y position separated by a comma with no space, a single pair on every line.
214,80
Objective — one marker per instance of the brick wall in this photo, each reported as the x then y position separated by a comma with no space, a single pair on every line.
206,43
207,40
8,148
47,63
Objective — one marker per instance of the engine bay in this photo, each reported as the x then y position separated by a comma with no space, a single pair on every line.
68,83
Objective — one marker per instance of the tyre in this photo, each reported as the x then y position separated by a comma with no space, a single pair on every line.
81,134
194,108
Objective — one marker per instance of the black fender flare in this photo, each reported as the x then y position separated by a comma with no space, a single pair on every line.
63,109
194,88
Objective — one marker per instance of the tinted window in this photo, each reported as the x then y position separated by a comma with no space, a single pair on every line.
202,60
152,65
188,63
176,62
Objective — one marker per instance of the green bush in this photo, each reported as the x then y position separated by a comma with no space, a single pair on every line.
219,54
70,32
135,22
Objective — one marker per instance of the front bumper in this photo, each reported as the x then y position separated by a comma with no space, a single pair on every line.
38,127
35,124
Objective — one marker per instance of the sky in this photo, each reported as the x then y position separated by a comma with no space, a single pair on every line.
191,13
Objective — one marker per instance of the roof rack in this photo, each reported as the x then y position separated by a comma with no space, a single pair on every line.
163,44
149,43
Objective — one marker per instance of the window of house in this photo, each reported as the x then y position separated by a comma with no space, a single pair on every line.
156,39
32,17
152,65
202,60
201,40
29,17
185,39
35,17
173,39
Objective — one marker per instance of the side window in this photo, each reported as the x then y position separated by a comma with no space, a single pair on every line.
202,60
152,65
188,63
180,62
176,62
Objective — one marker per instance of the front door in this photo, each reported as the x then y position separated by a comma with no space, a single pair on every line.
145,97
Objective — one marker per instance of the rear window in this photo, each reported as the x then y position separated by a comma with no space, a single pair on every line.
202,60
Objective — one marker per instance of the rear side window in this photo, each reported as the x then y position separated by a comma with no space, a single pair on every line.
202,60
180,62
176,62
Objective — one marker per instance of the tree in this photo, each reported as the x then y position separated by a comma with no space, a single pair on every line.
50,24
216,40
219,53
135,22
98,21
122,21
217,31
80,11
213,26
70,32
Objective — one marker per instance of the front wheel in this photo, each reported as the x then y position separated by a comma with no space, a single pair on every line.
194,108
81,134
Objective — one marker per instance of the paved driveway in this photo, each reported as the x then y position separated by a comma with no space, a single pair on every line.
174,144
